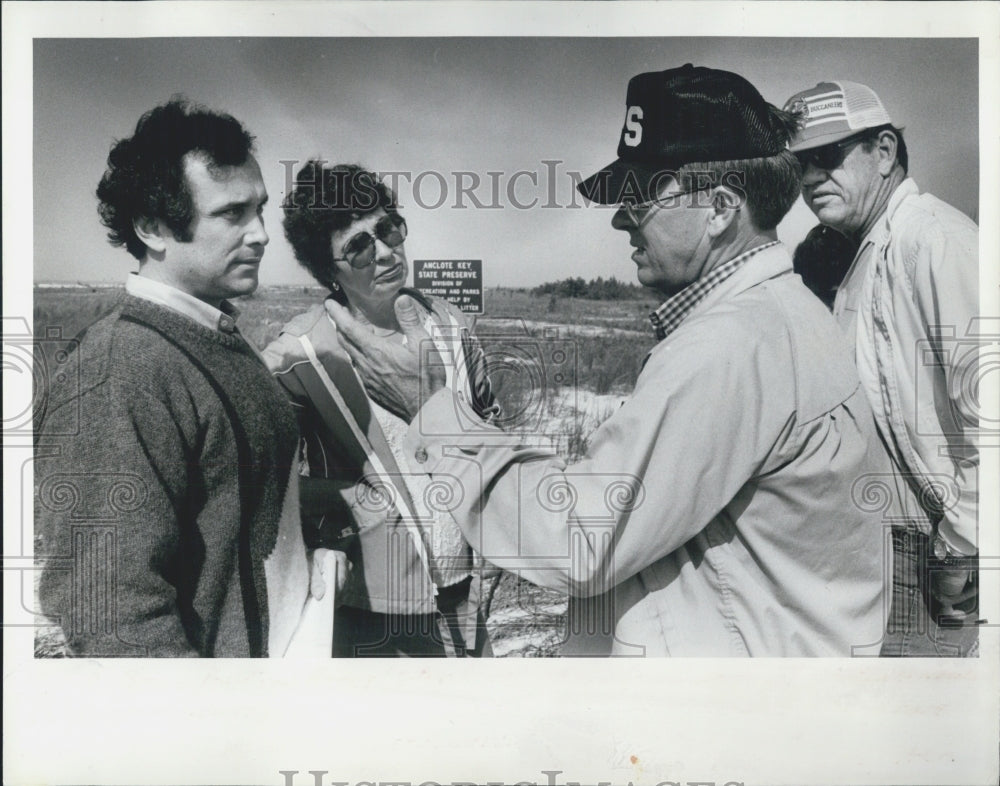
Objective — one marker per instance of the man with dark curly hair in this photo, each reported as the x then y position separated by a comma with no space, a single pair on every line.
185,449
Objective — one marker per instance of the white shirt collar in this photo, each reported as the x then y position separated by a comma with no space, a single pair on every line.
223,319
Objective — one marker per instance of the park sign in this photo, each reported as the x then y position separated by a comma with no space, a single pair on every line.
459,281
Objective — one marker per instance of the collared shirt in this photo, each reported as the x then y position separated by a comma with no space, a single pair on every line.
222,319
676,308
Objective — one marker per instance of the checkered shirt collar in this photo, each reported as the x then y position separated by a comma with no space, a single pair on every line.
668,317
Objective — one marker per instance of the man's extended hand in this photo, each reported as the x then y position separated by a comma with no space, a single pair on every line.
400,378
955,589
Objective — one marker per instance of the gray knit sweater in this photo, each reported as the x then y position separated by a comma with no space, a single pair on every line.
161,473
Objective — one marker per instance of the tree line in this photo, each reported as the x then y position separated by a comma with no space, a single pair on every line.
596,289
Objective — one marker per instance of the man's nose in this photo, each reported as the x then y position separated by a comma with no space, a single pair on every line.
620,220
256,234
812,174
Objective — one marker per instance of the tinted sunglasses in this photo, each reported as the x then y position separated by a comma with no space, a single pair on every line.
359,251
830,156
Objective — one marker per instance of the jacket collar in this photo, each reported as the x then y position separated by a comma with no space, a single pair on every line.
676,309
306,321
880,230
769,263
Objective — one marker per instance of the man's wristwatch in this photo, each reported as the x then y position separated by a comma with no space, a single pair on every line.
944,554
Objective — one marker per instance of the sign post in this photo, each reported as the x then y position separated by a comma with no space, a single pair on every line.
459,281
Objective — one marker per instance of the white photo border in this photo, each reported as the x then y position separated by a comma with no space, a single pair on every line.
865,721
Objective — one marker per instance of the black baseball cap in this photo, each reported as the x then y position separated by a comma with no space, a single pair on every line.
682,116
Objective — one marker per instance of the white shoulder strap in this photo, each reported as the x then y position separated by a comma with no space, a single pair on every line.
408,517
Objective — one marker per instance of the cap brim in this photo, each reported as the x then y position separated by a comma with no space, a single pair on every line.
625,181
819,140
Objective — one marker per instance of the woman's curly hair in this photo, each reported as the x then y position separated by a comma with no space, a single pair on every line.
326,199
145,174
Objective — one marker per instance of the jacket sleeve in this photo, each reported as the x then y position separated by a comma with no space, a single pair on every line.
110,503
655,475
471,368
328,469
944,260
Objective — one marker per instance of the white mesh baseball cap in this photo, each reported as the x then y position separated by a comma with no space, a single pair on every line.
832,111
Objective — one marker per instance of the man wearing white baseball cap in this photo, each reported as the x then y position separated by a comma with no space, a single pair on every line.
906,304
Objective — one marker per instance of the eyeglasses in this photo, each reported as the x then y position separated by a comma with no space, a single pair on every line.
359,251
667,200
830,156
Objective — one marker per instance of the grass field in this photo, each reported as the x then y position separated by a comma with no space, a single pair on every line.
575,359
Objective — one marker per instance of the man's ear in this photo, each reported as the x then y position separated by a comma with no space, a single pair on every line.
726,203
885,148
151,232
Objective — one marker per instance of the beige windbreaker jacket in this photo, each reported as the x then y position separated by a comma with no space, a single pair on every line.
730,507
915,290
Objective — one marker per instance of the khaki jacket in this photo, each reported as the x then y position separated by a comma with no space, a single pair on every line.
915,288
725,509
348,488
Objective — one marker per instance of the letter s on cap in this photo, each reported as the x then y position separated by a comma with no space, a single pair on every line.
633,128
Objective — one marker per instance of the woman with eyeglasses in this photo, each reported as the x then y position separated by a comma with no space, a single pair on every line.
410,589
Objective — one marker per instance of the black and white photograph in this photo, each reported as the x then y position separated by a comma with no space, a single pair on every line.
642,353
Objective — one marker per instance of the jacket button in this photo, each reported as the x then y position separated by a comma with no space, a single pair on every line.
420,455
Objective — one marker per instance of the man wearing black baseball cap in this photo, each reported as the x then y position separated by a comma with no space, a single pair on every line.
714,512
686,115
